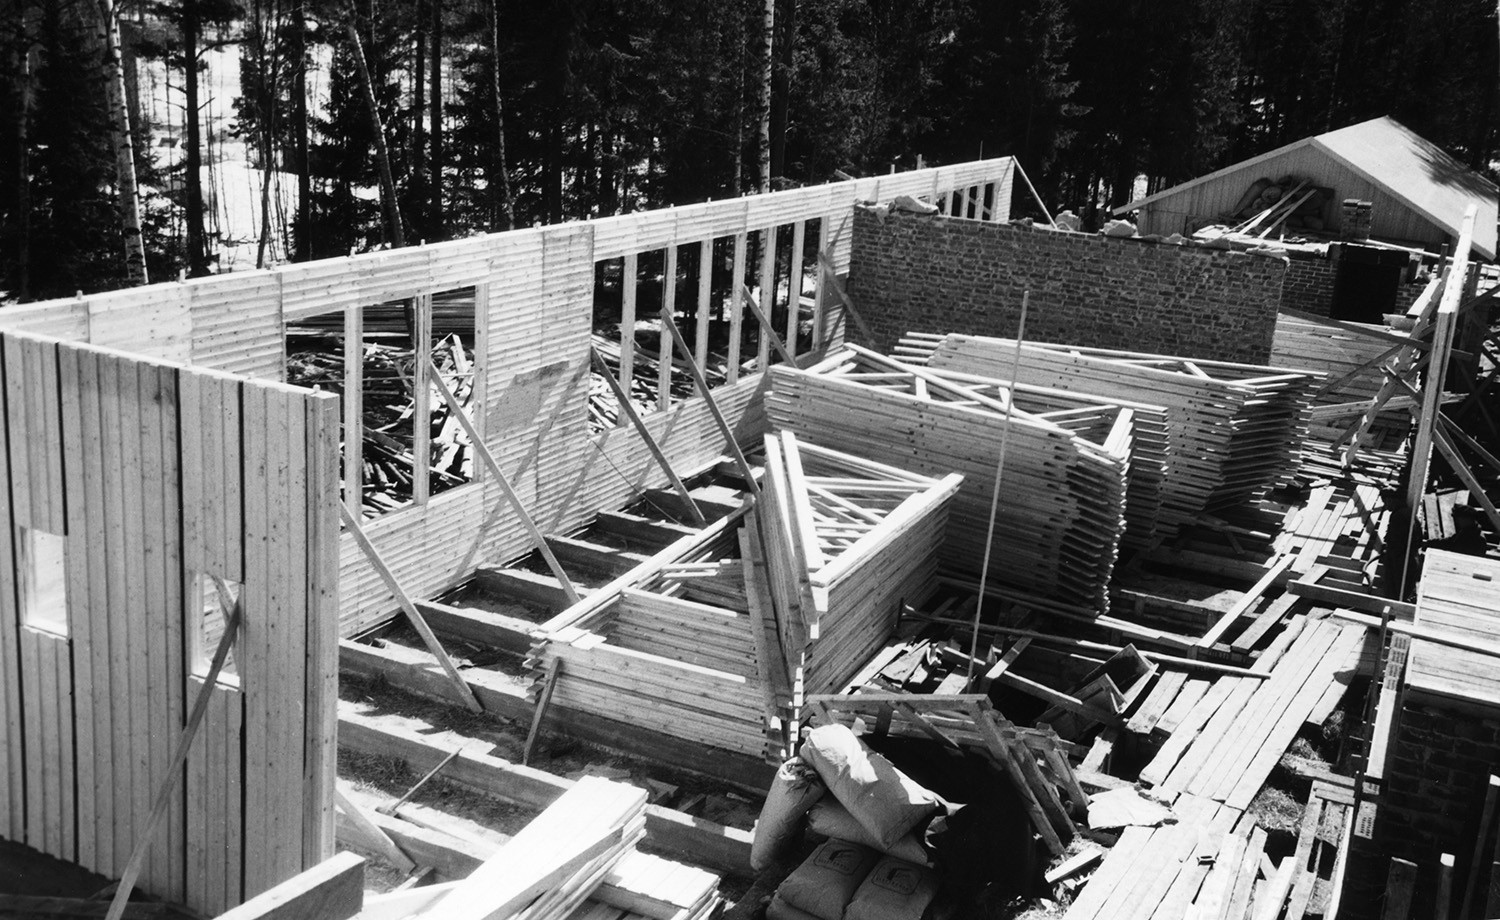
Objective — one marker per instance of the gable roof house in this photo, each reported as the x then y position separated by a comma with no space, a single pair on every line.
1417,191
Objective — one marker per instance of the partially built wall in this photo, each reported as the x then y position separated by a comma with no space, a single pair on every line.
533,325
136,487
933,273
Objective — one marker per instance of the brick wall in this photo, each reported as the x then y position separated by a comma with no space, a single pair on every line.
1309,285
938,274
1436,779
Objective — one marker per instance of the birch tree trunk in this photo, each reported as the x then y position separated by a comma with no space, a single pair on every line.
197,248
502,168
394,233
113,71
768,30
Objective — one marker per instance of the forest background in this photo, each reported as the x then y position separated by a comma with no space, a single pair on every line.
138,137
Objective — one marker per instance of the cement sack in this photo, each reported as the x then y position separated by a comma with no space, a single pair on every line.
885,801
894,890
779,909
795,789
826,881
830,819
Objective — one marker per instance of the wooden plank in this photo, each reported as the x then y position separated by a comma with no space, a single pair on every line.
1275,572
794,286
736,312
629,277
331,890
320,714
728,433
664,343
767,294
1477,860
372,836
1399,883
705,279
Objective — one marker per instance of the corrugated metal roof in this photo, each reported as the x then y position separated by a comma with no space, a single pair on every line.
1411,168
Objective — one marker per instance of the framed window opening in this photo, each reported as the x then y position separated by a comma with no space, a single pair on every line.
410,446
43,565
207,618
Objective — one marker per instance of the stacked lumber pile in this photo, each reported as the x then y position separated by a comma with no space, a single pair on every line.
1061,512
846,540
1235,430
557,861
678,653
1227,743
1092,418
1213,863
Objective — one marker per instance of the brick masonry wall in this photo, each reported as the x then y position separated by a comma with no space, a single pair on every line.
1436,779
938,274
1309,285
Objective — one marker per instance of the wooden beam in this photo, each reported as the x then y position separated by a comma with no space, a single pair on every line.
538,539
410,609
1353,599
736,314
628,272
628,410
1437,368
713,407
1399,883
1249,600
664,344
334,889
767,331
1486,818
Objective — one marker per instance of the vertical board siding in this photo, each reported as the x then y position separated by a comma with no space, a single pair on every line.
143,468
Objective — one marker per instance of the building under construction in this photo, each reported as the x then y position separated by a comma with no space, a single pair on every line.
994,567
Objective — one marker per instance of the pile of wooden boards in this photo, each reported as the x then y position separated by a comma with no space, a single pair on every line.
1061,508
1234,430
576,859
1035,760
846,540
1213,863
1225,746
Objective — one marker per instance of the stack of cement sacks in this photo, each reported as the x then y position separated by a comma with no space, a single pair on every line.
871,864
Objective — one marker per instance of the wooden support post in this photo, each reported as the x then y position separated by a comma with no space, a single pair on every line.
421,442
410,609
1437,366
1039,203
354,429
820,298
794,286
736,312
164,795
767,291
628,274
664,344
713,409
538,539
543,701
1477,861
705,280
767,331
1398,888
1443,906
838,291
628,411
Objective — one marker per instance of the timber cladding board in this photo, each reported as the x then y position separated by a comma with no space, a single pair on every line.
150,476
